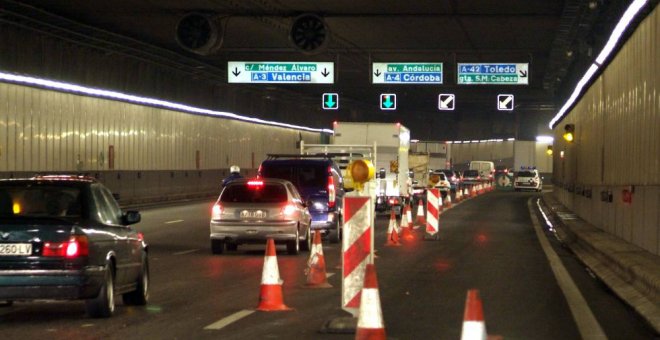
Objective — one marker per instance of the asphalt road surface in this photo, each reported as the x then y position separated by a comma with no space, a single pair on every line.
488,243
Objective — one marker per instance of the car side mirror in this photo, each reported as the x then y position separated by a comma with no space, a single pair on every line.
131,217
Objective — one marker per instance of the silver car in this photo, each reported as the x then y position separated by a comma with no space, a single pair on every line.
254,210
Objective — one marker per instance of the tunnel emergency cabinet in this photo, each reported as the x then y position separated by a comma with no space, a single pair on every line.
393,140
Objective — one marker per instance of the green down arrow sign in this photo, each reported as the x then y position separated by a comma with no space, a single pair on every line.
388,101
330,101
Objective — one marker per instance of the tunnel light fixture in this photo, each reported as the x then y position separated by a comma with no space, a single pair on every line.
545,139
510,139
627,17
105,94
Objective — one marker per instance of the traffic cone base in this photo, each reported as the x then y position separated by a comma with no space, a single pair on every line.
392,235
270,294
370,324
421,219
316,275
474,326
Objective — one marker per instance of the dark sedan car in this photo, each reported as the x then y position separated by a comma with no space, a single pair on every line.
65,237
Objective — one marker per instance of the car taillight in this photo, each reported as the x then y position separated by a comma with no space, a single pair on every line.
394,201
216,211
76,246
255,184
331,190
289,210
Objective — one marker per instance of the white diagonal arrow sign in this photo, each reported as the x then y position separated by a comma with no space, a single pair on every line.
504,100
445,101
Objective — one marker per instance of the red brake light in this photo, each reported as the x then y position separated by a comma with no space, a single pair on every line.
216,211
255,183
289,210
78,245
331,189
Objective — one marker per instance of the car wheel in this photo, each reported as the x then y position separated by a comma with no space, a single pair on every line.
293,247
232,247
7,303
335,236
217,246
140,296
306,245
103,305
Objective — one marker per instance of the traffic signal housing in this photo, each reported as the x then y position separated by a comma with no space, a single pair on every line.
569,133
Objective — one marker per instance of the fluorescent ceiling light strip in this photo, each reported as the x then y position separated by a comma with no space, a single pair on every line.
623,24
142,100
625,20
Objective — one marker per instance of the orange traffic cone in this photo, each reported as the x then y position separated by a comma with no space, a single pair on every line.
409,219
458,195
448,201
466,193
392,234
473,193
421,219
370,324
270,297
474,326
406,228
316,276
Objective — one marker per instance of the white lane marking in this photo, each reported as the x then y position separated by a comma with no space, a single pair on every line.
585,320
174,221
186,252
230,319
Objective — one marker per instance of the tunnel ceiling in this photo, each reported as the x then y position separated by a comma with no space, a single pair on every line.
556,38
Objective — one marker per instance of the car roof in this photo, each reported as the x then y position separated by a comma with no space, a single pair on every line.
52,178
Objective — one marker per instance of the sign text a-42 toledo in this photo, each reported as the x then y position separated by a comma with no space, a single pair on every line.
493,73
281,72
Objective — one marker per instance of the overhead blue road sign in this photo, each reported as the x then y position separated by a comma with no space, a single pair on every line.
280,72
330,101
505,102
446,101
493,74
388,101
407,73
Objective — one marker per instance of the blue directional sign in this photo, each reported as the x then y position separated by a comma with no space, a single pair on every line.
388,101
330,101
407,73
493,74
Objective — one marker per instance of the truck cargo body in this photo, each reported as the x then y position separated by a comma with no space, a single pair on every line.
393,144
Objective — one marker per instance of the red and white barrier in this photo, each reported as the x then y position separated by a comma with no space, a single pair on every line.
357,250
433,198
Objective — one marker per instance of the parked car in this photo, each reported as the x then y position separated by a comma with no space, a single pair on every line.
472,177
254,210
528,180
454,178
65,237
320,184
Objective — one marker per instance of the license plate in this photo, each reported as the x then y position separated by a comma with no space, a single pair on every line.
15,249
253,214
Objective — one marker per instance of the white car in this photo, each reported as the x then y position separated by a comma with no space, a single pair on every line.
528,180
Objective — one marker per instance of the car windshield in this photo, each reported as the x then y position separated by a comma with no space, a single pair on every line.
526,174
246,193
301,175
39,200
471,173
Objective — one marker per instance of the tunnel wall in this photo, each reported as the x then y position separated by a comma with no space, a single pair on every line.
143,153
616,152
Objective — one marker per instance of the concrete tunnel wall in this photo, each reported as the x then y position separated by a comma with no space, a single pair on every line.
143,153
617,144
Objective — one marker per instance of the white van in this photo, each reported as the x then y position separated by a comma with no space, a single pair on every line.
486,169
